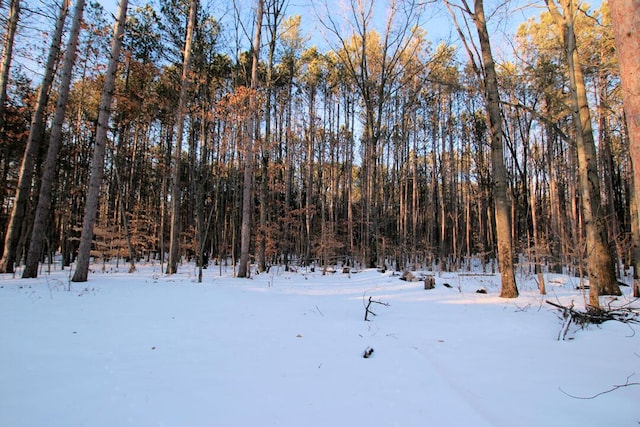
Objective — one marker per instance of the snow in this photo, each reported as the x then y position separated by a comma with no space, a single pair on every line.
286,349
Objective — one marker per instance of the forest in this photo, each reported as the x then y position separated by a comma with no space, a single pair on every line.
219,133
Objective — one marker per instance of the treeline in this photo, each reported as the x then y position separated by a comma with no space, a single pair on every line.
375,151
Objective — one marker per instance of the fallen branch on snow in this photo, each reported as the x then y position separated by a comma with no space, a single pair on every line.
593,315
614,388
367,308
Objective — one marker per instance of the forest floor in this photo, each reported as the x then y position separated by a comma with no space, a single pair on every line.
286,349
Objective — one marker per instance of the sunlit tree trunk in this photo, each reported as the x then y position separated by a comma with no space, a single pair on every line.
97,162
625,16
36,132
602,278
174,242
274,18
55,140
499,174
635,239
245,227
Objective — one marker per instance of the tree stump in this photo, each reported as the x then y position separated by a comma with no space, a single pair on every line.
429,282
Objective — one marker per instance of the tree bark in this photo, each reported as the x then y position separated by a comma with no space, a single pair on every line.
97,162
274,17
635,238
499,171
125,219
55,139
602,277
625,16
7,54
245,227
18,213
174,242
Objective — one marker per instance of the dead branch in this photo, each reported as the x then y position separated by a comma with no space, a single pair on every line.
614,388
565,327
367,309
594,315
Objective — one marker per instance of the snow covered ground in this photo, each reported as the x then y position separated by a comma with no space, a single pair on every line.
286,349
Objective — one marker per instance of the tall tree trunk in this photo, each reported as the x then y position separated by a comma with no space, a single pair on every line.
174,242
274,16
97,162
625,16
309,208
55,139
7,54
125,219
602,277
17,218
287,174
635,238
499,171
536,238
245,227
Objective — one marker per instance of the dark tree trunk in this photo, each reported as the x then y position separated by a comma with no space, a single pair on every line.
55,139
174,242
245,227
97,162
19,211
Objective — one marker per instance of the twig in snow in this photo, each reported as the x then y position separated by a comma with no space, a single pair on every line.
565,327
614,388
367,309
523,309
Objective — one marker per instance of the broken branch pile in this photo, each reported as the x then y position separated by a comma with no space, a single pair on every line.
593,315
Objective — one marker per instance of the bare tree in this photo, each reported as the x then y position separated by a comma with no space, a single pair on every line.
55,140
16,220
7,53
499,174
602,277
97,162
174,243
274,14
372,61
245,227
625,16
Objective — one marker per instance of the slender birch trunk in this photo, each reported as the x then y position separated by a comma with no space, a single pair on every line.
18,213
97,162
55,139
174,242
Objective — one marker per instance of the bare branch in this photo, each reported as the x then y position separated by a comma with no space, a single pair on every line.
368,308
612,389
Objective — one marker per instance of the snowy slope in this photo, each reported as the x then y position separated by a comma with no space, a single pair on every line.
285,349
